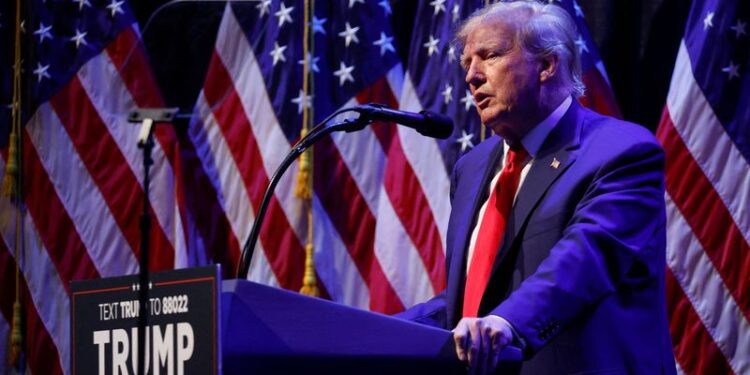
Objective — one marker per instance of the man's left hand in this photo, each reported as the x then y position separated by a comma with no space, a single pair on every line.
479,342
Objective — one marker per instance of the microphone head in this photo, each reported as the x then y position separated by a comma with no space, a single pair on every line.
437,125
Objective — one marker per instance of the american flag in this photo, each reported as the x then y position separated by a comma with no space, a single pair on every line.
84,70
380,196
705,131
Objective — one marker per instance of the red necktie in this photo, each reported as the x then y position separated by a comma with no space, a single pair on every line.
491,230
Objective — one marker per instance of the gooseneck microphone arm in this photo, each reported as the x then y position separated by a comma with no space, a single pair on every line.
426,123
303,144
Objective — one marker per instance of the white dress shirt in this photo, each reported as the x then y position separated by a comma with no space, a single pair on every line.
532,142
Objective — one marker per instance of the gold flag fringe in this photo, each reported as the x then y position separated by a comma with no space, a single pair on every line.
12,187
304,188
10,178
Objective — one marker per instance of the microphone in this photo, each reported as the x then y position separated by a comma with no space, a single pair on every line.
427,123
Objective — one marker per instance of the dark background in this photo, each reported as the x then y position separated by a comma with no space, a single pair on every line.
637,39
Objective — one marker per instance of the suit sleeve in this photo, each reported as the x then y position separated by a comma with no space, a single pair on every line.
611,242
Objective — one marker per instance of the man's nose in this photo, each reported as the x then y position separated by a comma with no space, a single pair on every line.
474,74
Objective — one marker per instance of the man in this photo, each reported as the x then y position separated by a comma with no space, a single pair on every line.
556,240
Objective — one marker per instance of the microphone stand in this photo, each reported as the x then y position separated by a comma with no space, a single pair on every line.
348,125
148,117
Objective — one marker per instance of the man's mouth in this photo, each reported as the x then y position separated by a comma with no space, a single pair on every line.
482,100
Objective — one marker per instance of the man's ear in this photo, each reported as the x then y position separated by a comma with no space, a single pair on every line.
548,67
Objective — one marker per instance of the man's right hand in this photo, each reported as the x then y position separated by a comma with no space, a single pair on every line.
480,341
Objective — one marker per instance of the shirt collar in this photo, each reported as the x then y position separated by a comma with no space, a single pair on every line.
532,142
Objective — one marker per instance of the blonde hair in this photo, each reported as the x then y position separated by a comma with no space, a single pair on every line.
540,29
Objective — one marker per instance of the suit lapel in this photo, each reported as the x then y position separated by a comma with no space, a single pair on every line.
552,160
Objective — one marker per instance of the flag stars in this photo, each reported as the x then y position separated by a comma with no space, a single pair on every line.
468,100
344,73
352,2
79,38
452,54
739,29
264,7
42,72
456,12
465,140
733,70
582,47
115,7
386,7
578,10
82,4
431,45
284,14
385,43
302,101
317,25
312,62
438,5
349,34
277,53
447,93
708,21
44,32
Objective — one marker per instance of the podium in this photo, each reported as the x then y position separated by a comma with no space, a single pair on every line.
267,330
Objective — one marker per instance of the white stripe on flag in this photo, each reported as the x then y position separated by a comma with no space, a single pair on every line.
335,266
706,291
427,161
711,147
399,258
242,66
113,103
222,169
223,172
47,292
260,270
363,156
79,194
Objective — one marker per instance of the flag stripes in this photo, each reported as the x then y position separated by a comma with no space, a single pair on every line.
80,198
697,200
109,168
380,204
694,349
702,285
708,185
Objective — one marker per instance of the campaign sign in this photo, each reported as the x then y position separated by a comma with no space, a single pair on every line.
182,332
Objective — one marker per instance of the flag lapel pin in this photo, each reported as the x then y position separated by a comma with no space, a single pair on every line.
555,163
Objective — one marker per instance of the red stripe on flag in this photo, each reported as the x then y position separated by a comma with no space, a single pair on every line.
110,170
126,53
706,214
406,194
350,214
39,349
206,211
128,56
415,213
283,249
55,227
599,95
694,348
380,92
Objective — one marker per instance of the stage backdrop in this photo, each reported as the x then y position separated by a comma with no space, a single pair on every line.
368,210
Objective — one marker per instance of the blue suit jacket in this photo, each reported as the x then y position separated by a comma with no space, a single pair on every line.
580,272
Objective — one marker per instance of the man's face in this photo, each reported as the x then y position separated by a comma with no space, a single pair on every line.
503,78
